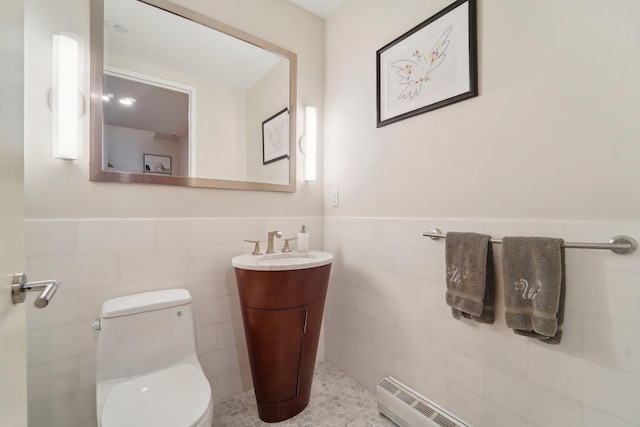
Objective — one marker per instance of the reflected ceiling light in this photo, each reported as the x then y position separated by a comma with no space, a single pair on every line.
127,101
311,142
67,100
107,97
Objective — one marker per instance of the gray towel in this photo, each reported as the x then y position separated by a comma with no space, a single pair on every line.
470,276
534,282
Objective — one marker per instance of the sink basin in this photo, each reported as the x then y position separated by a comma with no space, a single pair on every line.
282,261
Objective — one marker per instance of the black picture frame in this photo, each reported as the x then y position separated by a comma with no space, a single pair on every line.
412,82
156,164
275,137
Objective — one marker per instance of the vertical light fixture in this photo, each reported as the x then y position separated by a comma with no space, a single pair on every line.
311,143
67,102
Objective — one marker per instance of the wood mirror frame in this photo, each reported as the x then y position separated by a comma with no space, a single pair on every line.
97,172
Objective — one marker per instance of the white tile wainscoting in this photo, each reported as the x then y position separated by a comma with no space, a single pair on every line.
98,259
385,314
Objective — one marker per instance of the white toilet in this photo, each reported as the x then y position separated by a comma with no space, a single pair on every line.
147,368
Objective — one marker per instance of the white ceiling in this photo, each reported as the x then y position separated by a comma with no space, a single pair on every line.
321,8
155,39
156,109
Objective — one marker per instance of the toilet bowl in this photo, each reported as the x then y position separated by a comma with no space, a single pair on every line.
147,368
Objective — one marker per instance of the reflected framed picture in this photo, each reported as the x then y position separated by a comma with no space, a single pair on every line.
275,137
154,163
430,66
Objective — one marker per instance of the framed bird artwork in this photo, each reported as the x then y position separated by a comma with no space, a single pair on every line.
430,66
275,137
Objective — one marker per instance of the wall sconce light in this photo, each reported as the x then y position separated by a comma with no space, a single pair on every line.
311,143
67,102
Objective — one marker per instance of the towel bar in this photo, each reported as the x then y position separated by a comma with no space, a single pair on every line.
623,245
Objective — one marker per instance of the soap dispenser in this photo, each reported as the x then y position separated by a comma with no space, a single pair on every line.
303,239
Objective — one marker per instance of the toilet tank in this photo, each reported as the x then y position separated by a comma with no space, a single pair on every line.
145,332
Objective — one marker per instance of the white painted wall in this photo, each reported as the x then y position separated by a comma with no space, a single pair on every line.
127,147
13,364
264,100
183,155
221,133
553,134
549,148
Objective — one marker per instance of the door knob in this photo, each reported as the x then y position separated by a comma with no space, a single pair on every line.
20,286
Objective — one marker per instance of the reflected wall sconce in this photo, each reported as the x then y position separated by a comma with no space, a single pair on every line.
67,102
311,143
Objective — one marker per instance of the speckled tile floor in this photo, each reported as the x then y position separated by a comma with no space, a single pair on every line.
336,401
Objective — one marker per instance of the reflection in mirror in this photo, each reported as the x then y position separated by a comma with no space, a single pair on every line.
178,86
141,117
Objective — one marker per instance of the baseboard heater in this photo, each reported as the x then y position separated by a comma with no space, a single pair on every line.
408,408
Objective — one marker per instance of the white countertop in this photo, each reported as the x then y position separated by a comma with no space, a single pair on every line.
281,261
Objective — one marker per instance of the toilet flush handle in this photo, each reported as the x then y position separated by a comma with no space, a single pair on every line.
96,326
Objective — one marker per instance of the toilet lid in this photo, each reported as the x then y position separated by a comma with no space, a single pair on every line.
173,397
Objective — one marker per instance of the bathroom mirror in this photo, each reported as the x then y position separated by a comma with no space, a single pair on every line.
179,98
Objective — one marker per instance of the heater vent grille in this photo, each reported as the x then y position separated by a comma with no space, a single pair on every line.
444,422
387,385
405,397
424,409
408,408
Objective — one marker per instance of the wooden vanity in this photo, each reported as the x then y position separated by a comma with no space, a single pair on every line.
282,314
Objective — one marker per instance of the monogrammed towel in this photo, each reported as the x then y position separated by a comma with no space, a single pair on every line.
470,276
534,285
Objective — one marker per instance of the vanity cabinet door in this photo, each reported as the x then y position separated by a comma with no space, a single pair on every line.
310,345
274,341
282,315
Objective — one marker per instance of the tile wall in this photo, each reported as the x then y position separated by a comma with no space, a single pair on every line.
98,259
386,315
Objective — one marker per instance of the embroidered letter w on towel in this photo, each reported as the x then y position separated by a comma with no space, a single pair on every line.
470,276
534,286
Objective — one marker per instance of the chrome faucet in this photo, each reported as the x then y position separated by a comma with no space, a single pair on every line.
270,235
